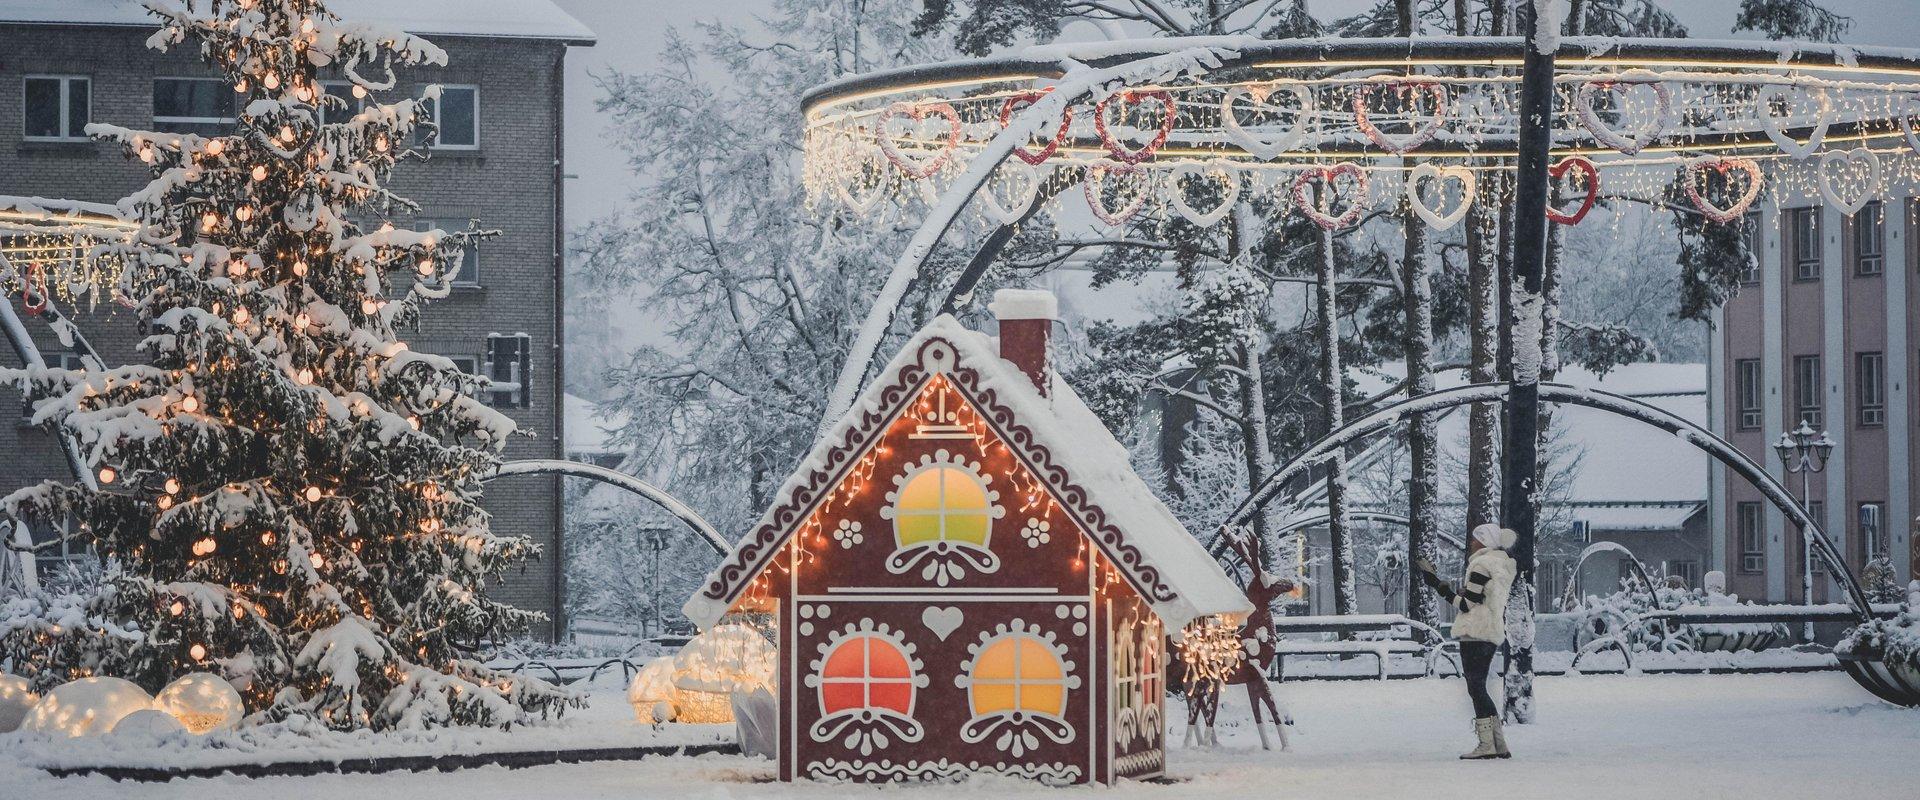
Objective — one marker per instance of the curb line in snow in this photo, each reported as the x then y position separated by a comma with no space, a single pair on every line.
378,764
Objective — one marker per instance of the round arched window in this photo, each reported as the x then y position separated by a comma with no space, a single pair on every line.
942,513
867,679
1017,681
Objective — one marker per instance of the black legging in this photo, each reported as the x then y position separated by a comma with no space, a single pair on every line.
1477,658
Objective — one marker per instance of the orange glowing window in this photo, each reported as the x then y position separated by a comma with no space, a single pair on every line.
943,504
866,672
1018,673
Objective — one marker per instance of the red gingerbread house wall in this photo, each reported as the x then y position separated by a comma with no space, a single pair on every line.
941,613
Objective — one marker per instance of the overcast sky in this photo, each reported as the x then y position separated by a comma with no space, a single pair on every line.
632,33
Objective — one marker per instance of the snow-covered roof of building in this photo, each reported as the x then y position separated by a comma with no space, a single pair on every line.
509,19
1060,440
1627,476
588,428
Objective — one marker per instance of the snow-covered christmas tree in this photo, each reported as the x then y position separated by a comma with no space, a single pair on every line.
288,495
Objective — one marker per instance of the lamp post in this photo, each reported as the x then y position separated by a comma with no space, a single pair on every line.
1804,452
653,542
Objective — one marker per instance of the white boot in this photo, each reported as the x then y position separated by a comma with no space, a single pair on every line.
1483,727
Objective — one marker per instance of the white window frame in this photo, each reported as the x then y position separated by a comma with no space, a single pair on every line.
169,120
469,277
439,142
66,98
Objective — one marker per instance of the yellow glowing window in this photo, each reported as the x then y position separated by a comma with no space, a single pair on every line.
1019,673
942,504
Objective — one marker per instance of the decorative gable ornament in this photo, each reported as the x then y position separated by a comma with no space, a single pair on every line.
969,577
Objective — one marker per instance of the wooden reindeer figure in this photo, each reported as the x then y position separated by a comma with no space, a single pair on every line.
1215,656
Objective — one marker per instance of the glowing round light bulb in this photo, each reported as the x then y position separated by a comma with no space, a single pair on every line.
267,538
272,81
300,269
305,378
165,502
425,267
313,494
368,306
243,213
172,486
216,147
260,172
197,652
359,91
241,315
204,547
209,221
316,560
177,608
109,474
189,404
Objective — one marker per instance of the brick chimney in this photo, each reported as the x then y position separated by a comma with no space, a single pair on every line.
1026,320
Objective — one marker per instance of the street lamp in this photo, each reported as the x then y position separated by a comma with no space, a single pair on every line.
1804,452
654,541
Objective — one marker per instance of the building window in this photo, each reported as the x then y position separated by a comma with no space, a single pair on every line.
1753,540
467,365
1806,390
1017,686
56,107
341,105
1869,240
457,113
1750,234
509,367
1746,376
201,106
1687,572
1803,234
1872,531
468,273
1870,388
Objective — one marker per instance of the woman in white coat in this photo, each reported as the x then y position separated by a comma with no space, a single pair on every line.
1480,625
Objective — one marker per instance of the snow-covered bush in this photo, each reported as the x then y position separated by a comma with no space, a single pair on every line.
1894,640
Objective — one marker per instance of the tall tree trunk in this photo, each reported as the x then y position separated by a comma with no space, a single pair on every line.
1332,379
1422,435
1483,243
1255,447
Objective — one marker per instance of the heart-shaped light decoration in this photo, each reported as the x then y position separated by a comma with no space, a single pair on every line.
863,183
1018,184
1266,146
1726,166
1095,183
1223,175
1909,112
1355,197
925,163
1428,172
1424,127
1636,137
1591,175
1822,108
1046,151
1120,152
1860,167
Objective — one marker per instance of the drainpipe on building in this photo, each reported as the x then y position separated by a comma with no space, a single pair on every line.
559,340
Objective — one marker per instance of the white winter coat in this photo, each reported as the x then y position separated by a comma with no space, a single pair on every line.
1482,600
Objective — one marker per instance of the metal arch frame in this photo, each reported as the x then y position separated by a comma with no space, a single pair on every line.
1573,579
612,477
1624,406
1321,518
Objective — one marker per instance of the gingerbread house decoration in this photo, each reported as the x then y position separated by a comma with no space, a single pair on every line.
968,576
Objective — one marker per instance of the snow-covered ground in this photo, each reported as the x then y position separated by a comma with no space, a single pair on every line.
1664,736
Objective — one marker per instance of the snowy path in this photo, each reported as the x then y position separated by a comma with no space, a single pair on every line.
1745,736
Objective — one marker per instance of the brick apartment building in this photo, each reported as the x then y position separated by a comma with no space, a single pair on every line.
499,161
1822,331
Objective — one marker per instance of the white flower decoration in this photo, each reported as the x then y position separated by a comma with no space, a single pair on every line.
1037,532
848,534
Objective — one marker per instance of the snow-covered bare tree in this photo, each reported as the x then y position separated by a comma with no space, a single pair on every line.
290,495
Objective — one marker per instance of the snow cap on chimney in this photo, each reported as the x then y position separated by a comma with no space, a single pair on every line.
1026,318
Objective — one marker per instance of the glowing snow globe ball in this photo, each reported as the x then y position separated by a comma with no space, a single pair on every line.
16,699
202,701
148,723
652,692
729,658
86,707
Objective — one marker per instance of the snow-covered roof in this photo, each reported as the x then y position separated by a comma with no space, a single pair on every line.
1619,460
508,19
1062,442
587,430
1650,518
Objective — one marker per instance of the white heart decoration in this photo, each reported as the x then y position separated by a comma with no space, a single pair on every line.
1356,198
925,164
1909,109
1848,158
1424,129
1723,165
1097,178
1637,138
942,621
1287,140
1230,184
1427,171
860,158
1763,108
1023,185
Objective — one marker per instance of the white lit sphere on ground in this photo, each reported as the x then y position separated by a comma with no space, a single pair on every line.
86,707
202,701
16,699
148,723
726,659
651,692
